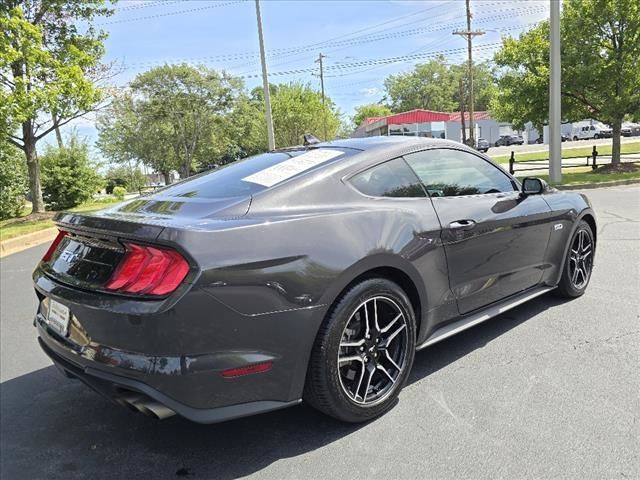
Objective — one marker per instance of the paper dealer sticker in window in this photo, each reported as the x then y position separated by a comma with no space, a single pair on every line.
289,168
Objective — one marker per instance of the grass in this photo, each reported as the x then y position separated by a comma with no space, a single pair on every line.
569,152
16,227
586,175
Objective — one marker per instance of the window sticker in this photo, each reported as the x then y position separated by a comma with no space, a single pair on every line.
289,168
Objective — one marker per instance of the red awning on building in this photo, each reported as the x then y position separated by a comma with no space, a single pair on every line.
417,116
455,117
423,116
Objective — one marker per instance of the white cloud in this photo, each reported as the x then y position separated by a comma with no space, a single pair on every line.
370,92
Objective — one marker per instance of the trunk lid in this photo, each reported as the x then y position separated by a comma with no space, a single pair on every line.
92,248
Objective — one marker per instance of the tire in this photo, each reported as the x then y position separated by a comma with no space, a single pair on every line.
579,254
596,136
336,385
575,139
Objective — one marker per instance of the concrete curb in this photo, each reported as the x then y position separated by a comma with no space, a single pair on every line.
17,244
589,186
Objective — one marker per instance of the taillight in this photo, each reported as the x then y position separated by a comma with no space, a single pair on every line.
54,246
147,270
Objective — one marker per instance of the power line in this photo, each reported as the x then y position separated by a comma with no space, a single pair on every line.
297,51
404,33
179,12
388,60
140,6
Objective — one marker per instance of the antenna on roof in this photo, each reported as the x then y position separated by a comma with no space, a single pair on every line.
309,140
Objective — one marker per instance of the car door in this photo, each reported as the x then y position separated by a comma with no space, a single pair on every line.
495,240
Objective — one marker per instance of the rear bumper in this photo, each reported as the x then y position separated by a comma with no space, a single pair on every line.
118,384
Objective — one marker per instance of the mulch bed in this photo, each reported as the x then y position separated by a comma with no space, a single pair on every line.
619,168
32,217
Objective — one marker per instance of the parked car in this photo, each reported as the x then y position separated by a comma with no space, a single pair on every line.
507,140
309,273
591,130
564,137
482,145
630,129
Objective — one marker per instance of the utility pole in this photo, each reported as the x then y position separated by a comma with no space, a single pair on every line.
464,128
265,82
324,113
555,114
470,34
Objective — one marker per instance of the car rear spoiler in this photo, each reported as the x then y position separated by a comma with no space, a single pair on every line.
110,225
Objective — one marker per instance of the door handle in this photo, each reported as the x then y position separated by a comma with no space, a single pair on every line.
462,224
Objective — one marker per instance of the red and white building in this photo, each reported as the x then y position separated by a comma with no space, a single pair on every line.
427,123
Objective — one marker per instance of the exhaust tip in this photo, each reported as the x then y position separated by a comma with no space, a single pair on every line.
145,405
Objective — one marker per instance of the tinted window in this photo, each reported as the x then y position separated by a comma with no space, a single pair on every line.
390,179
232,180
448,173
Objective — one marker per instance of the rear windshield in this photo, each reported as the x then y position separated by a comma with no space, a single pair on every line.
253,174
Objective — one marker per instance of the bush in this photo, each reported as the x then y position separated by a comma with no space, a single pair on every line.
119,192
13,181
68,176
131,178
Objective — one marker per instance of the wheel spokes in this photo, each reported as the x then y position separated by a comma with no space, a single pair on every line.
366,391
394,335
370,344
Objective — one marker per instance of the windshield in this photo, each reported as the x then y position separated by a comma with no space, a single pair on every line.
253,174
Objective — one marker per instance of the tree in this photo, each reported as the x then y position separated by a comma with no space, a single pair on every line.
600,47
126,136
483,81
69,178
175,117
192,102
430,86
131,178
297,109
370,110
435,85
13,181
44,66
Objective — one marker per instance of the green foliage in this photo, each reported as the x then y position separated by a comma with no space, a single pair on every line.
47,66
13,181
119,192
128,176
175,118
600,42
435,85
370,110
297,109
69,178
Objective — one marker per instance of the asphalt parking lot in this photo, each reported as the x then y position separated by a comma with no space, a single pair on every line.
550,389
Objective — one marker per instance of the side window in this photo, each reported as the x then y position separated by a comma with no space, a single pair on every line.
449,173
390,179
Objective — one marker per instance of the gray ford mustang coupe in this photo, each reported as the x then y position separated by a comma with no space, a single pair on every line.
311,273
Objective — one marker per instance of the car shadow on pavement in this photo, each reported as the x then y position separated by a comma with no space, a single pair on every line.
53,427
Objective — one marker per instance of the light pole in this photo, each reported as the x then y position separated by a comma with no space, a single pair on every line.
265,82
555,114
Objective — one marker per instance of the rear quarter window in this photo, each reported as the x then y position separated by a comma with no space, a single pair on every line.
390,179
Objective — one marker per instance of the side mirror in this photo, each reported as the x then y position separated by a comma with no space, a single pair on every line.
533,186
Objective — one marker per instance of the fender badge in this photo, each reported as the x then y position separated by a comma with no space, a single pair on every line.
557,226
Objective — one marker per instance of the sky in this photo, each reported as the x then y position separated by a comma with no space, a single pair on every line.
364,40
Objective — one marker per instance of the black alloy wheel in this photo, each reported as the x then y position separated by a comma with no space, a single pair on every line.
578,263
363,353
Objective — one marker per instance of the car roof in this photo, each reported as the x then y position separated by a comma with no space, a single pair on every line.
387,142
